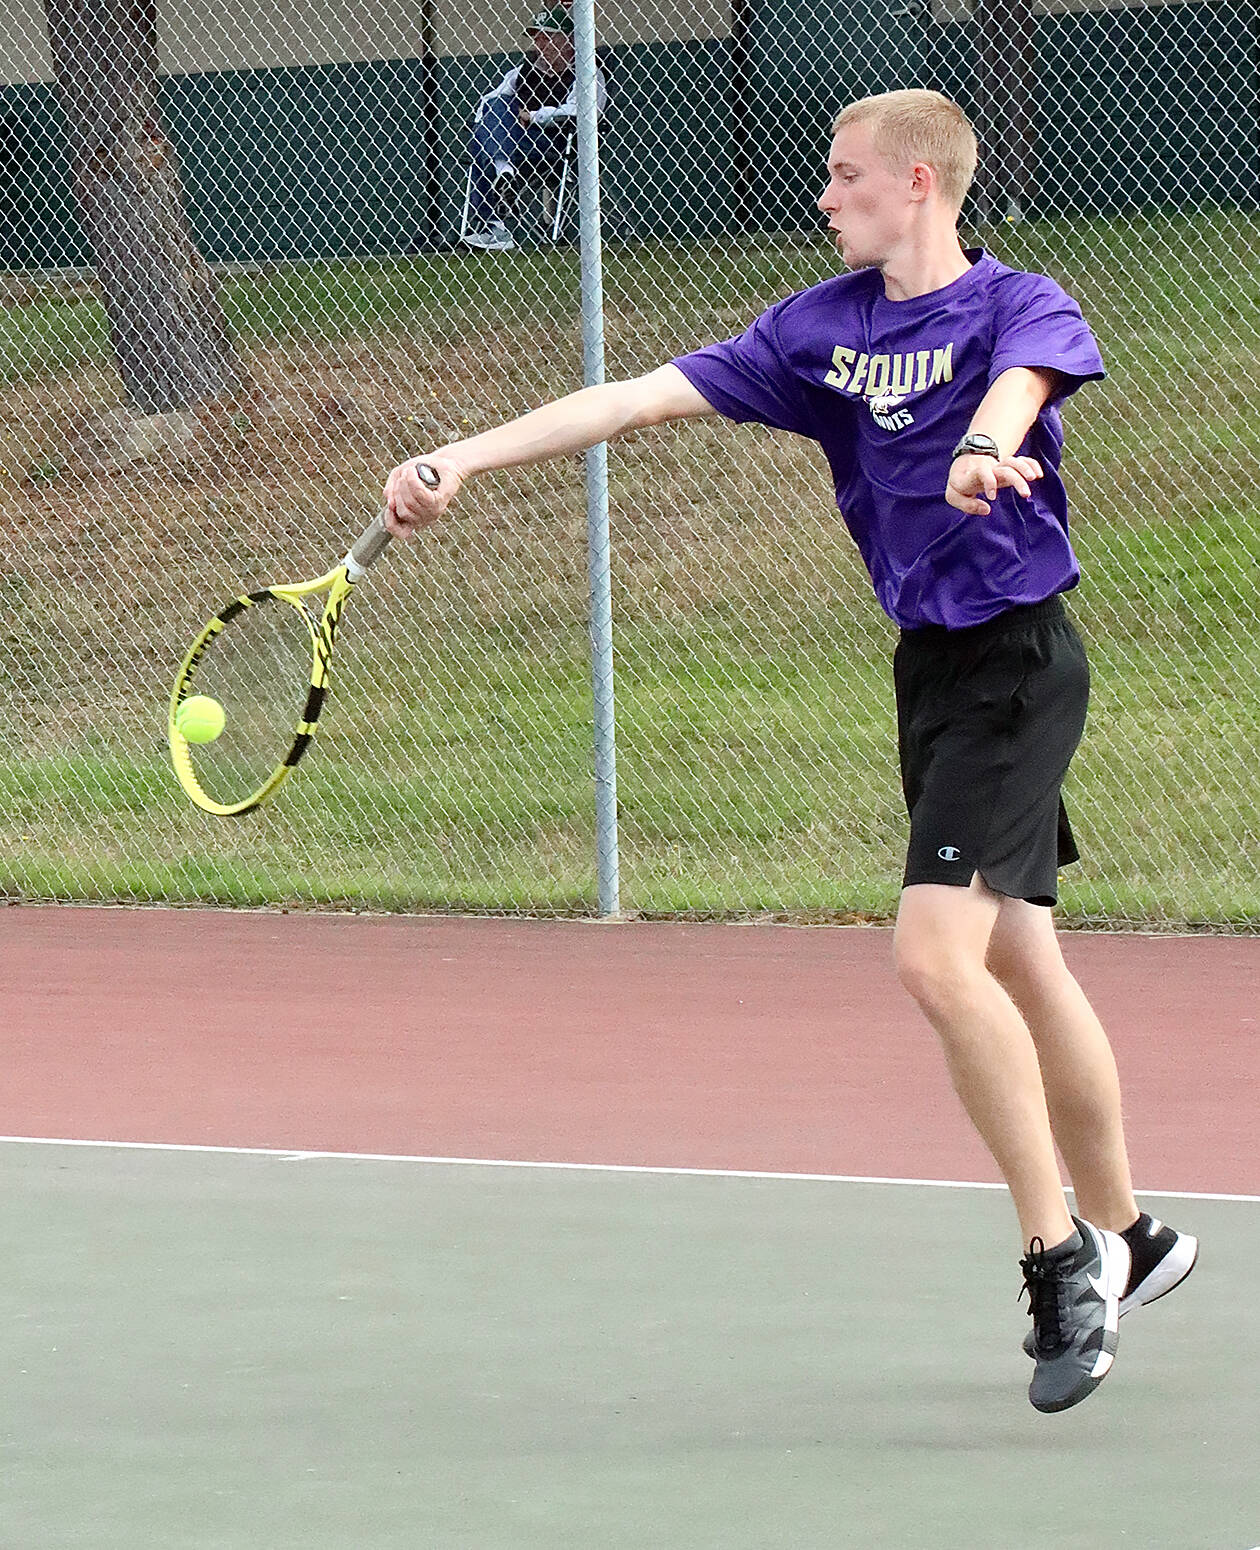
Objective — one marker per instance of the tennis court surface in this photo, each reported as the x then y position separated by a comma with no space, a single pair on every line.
333,1231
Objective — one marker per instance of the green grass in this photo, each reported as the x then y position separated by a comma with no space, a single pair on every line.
748,783
757,768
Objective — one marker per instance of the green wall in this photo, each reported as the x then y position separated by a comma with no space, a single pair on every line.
1143,106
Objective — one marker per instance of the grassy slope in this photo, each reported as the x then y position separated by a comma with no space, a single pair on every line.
757,767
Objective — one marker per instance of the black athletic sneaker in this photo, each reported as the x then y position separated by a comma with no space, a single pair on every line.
1161,1260
1074,1295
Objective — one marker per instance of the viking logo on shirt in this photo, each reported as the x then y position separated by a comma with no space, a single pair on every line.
885,413
884,381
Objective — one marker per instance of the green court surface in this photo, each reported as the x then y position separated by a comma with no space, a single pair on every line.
268,1352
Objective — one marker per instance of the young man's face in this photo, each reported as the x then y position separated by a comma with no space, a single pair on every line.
868,205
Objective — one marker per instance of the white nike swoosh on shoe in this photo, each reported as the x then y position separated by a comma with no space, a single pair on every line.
1113,1252
1102,1248
1103,1365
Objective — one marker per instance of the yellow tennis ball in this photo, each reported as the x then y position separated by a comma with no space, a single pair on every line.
199,719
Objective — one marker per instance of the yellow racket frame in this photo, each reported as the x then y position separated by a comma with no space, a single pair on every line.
338,584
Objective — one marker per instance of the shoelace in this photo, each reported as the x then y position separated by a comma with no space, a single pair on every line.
1045,1282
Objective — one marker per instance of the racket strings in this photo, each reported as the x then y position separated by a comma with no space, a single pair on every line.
258,667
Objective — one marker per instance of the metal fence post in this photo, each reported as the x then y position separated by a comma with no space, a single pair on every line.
598,543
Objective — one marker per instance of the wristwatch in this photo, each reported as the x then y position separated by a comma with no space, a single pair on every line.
977,445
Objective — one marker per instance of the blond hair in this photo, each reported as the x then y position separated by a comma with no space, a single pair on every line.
919,126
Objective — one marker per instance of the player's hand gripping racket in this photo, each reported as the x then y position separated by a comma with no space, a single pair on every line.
265,658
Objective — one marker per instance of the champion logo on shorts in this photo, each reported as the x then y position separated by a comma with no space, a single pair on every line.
949,853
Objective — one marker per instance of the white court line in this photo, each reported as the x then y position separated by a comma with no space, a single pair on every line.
289,1155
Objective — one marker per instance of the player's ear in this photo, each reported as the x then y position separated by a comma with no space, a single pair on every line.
922,181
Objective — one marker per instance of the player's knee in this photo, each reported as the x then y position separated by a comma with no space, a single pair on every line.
939,975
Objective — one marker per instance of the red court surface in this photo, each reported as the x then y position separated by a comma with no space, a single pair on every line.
696,1046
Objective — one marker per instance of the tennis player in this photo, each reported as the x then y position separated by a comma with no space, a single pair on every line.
932,378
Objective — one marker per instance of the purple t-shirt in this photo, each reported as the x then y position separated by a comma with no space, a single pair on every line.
887,388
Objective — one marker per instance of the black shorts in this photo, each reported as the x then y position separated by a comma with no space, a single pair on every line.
988,719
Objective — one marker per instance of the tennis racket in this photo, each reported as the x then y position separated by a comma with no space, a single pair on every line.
265,657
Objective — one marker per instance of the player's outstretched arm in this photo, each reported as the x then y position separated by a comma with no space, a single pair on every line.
568,425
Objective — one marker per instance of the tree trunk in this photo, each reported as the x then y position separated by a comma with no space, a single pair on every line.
1005,89
166,322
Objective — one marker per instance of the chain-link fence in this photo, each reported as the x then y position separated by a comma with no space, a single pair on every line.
319,160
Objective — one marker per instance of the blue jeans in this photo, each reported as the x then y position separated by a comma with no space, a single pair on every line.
500,137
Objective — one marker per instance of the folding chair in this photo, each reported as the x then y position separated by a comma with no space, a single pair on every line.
555,196
561,195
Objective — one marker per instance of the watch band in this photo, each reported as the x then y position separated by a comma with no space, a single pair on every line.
976,445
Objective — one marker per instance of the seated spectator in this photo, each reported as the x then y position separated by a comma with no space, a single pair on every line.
521,128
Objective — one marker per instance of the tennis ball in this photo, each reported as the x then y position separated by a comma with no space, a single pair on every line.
199,719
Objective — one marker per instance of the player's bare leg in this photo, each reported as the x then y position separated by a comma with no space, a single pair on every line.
941,945
1074,1272
1078,1069
1083,1096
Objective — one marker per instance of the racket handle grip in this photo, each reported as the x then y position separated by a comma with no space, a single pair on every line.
373,541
